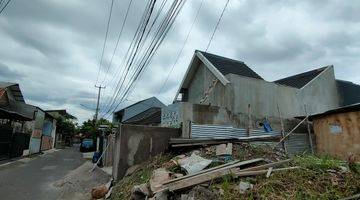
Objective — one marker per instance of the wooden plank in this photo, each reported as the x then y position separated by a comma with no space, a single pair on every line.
186,183
282,128
196,180
259,172
309,131
261,167
269,172
230,165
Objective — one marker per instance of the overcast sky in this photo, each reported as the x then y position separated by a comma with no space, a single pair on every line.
53,47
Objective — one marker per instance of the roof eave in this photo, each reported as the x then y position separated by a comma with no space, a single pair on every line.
191,69
328,67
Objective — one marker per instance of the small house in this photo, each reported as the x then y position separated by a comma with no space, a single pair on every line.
337,131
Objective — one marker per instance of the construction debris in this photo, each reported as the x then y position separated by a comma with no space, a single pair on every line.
269,172
244,177
194,163
244,186
159,177
224,149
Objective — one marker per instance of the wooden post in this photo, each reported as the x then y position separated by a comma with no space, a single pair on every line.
309,130
287,135
282,129
249,121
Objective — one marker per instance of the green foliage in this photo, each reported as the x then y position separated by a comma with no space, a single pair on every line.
91,129
65,126
317,163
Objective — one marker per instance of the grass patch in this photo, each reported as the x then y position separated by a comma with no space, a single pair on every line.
122,190
317,163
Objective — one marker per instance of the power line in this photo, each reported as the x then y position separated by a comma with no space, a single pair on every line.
172,13
118,39
124,70
105,40
143,60
217,25
131,51
180,52
137,45
6,4
182,48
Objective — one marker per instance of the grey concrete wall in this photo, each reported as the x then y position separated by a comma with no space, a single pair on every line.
200,84
263,97
136,144
187,113
318,95
197,87
321,94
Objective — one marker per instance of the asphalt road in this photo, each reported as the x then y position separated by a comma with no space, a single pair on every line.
34,178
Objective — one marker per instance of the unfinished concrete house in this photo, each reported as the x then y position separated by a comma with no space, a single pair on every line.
221,91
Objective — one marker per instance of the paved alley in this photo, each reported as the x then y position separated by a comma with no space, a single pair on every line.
33,178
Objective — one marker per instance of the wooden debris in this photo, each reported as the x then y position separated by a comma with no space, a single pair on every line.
253,173
269,172
229,165
188,181
266,166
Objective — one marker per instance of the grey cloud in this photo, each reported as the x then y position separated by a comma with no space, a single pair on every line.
52,48
8,74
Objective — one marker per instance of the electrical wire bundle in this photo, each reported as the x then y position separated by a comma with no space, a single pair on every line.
150,33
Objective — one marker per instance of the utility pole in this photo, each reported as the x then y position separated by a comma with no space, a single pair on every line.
98,101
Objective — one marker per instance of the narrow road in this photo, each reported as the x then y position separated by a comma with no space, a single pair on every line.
33,178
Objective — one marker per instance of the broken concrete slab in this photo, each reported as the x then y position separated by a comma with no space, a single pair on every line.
245,186
224,149
159,177
194,163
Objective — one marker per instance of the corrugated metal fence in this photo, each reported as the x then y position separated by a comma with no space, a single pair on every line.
296,143
223,132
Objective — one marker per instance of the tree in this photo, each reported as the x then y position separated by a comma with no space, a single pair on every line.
91,129
65,126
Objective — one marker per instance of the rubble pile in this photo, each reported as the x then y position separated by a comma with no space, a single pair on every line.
226,171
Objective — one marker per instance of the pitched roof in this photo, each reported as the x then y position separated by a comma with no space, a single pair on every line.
300,80
149,116
139,107
15,90
344,109
230,66
349,92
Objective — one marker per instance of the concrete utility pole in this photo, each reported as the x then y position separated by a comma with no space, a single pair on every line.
98,101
